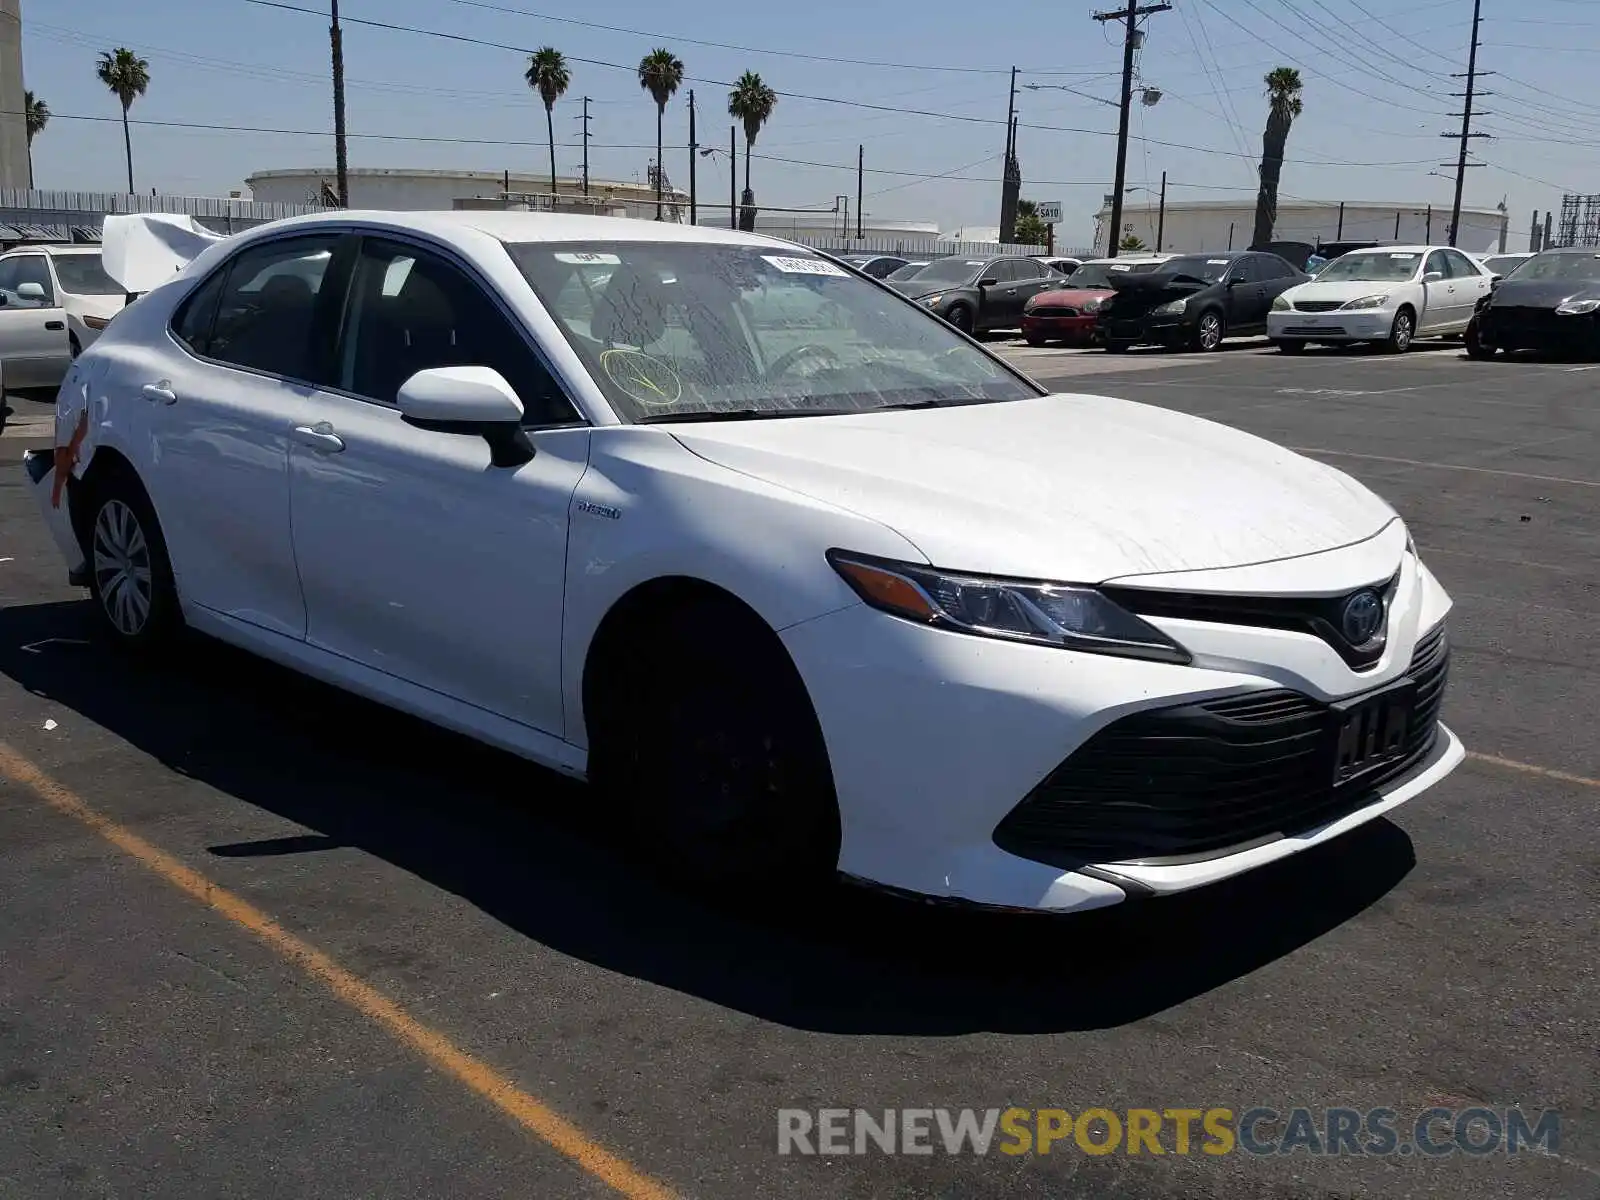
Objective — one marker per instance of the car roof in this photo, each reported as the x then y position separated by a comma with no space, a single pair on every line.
52,248
534,227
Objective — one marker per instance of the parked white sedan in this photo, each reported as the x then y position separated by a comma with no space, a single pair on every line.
802,578
1388,295
54,301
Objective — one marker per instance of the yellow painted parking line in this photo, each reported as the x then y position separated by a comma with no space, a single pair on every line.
532,1114
1511,764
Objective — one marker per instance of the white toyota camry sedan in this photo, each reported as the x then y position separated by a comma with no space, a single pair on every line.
806,580
1387,295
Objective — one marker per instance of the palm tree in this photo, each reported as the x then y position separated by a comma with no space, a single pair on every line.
752,102
38,116
547,74
660,74
127,75
1283,96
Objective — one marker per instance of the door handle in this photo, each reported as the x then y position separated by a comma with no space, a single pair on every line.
54,325
160,391
319,438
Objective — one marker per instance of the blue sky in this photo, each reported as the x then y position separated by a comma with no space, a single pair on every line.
1376,75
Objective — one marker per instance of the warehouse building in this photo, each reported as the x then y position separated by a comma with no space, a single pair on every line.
1227,224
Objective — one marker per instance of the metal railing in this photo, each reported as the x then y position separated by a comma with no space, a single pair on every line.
60,213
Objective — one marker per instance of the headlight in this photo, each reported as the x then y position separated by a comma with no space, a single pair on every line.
933,300
1027,305
1172,307
1092,304
1369,301
1281,304
1576,308
1047,614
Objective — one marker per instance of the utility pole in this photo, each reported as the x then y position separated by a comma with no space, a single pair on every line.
341,162
694,152
1011,172
1161,218
733,177
861,170
1466,120
585,120
1130,17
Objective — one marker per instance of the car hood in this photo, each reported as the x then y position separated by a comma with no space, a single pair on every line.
918,288
1071,488
1161,281
1342,291
1072,295
1542,293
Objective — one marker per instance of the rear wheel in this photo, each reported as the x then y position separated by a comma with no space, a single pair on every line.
1209,331
1401,332
130,576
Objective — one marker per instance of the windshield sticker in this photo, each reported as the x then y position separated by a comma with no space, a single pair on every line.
587,258
1402,256
1216,262
803,266
643,378
1121,267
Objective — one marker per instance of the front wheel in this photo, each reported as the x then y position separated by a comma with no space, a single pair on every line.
1117,346
1289,345
1034,339
1209,332
961,317
130,575
1475,347
1401,332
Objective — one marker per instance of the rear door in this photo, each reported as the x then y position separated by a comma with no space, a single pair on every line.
1471,282
33,329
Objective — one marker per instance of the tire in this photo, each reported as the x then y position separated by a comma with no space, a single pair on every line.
1401,332
1117,346
1209,331
130,575
706,739
1290,346
73,348
1034,339
1475,348
961,317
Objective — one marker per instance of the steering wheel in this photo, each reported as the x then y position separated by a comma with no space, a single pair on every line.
784,363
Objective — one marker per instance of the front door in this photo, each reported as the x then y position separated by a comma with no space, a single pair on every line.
1439,295
218,420
1247,298
417,556
33,329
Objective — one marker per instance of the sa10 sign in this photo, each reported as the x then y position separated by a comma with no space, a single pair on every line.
1049,211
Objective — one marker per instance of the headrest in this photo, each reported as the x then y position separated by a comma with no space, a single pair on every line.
632,311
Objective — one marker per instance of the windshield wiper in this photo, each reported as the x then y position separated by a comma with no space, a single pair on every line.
741,414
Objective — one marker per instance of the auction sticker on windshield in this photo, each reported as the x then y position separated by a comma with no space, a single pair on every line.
587,258
1402,256
804,266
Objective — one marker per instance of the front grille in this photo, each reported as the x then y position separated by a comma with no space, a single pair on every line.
1317,615
1049,310
1317,305
1204,779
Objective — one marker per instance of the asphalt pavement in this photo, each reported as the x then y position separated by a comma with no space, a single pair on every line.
258,938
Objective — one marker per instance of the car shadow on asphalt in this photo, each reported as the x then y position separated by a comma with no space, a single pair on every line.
533,850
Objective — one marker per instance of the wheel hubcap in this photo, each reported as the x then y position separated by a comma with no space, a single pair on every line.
1210,332
1402,331
122,567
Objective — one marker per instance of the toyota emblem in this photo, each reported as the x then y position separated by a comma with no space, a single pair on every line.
1361,617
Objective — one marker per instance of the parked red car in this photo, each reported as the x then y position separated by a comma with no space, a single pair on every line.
1068,312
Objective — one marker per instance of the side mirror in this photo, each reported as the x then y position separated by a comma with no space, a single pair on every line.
1234,282
988,281
475,400
1432,276
1494,279
30,291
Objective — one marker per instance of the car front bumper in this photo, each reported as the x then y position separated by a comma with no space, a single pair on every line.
1078,329
1537,329
1148,328
936,738
1369,325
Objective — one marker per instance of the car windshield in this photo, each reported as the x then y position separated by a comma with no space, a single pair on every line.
1196,267
669,330
949,270
82,275
1559,265
1504,265
1379,266
1098,276
908,271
